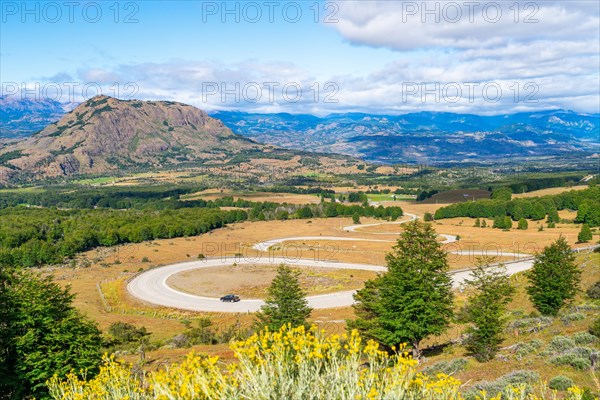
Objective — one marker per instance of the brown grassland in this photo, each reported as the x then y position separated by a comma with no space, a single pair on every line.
251,281
110,269
548,191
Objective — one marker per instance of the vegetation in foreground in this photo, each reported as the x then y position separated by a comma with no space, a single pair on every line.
291,363
413,299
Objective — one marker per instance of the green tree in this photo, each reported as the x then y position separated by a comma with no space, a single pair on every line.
477,223
286,301
553,215
538,211
413,299
517,212
523,225
282,215
503,193
486,308
41,334
483,223
355,218
125,333
554,278
428,217
585,234
305,212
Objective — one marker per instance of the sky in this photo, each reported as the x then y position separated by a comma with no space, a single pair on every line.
316,57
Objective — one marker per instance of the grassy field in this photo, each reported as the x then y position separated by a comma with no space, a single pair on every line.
544,192
123,261
518,351
290,198
389,197
251,281
110,268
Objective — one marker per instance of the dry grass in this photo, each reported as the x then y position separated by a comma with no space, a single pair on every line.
289,198
251,281
493,369
238,238
544,192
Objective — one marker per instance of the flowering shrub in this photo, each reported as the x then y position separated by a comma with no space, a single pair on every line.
291,363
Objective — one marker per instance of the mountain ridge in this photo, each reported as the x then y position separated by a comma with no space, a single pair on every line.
418,137
104,135
427,136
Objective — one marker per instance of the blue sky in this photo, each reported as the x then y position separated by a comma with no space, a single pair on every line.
387,56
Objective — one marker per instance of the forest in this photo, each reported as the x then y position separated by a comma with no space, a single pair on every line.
585,202
33,236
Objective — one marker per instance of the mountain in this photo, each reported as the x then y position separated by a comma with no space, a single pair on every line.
104,136
423,137
427,136
23,117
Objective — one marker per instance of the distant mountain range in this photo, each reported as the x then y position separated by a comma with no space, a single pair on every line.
104,136
423,137
427,136
24,117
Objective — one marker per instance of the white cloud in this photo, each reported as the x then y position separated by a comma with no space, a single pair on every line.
552,63
409,25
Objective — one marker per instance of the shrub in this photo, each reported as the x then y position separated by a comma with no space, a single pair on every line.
585,235
584,338
560,382
523,379
522,349
123,334
523,225
569,318
534,324
201,256
179,341
573,359
145,260
289,364
449,367
561,344
593,291
594,328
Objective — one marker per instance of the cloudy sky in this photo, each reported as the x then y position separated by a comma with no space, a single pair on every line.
308,56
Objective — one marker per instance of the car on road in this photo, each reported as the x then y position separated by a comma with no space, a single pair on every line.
232,298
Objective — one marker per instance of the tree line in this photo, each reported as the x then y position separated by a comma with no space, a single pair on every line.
36,236
32,236
586,202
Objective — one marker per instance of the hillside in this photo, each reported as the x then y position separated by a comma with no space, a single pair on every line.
428,136
106,135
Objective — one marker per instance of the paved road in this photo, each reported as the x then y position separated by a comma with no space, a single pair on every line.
151,286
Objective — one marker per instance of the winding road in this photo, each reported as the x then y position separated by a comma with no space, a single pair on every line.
151,286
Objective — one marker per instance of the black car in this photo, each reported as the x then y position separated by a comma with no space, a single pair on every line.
232,298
